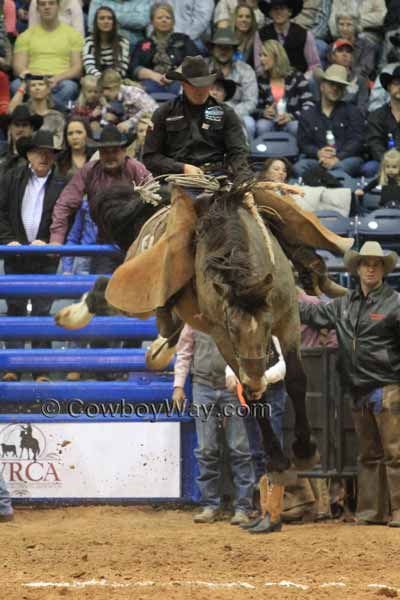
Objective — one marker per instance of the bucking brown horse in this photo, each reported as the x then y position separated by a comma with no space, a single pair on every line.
239,289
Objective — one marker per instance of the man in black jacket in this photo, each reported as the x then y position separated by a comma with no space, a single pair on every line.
383,130
20,123
298,42
27,198
194,133
341,154
367,324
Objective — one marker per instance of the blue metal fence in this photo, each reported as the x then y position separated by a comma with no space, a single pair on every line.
23,400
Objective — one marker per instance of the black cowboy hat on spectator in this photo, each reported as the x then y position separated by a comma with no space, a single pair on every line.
386,77
228,84
295,6
41,140
21,114
111,137
193,70
224,36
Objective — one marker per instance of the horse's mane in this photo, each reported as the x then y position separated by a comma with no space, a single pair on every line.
228,262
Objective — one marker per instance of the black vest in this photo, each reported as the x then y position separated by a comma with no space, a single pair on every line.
294,44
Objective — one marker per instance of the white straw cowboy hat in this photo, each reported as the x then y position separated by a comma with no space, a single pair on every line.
352,258
336,74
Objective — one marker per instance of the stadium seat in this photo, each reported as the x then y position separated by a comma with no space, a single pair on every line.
382,225
334,221
371,201
274,145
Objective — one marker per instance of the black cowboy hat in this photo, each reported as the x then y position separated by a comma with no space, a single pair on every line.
228,84
224,36
387,76
111,137
42,139
21,114
296,6
193,70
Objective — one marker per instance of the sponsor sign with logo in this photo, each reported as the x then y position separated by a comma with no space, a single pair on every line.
91,460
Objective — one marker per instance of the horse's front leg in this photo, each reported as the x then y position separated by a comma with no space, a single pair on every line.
277,461
304,448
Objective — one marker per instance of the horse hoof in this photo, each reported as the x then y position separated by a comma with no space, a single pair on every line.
305,454
160,354
278,464
304,447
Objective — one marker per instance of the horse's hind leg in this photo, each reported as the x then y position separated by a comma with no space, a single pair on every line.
304,447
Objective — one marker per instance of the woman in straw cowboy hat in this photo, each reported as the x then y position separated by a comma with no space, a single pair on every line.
367,323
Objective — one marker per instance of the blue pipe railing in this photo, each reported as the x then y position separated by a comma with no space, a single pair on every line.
62,250
83,359
156,388
44,328
55,286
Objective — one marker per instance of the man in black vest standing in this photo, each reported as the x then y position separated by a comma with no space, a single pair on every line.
298,42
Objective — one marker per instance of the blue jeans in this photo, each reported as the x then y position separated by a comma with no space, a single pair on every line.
5,500
276,398
152,87
370,168
209,451
62,93
256,128
345,170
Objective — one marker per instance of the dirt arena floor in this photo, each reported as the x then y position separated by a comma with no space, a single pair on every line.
122,553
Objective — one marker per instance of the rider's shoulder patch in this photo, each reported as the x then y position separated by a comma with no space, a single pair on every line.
214,113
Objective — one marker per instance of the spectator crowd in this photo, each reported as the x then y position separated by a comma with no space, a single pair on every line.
80,81
324,72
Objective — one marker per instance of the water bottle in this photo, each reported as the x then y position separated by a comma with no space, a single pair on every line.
330,139
281,107
390,142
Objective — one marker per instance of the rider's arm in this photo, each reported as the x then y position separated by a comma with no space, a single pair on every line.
184,356
155,155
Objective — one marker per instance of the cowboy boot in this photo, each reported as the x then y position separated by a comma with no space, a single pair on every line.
312,271
272,522
323,505
295,224
264,489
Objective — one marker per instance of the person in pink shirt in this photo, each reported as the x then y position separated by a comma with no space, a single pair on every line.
215,409
310,337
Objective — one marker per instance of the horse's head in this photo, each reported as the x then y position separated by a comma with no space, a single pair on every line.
234,275
249,334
